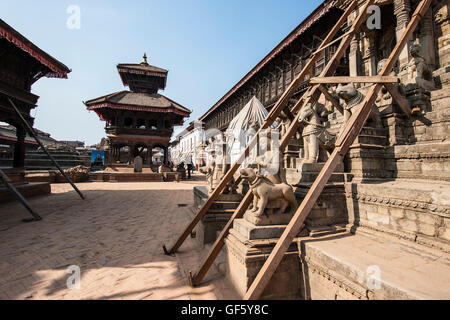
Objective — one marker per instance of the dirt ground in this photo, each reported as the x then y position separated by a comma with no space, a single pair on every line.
115,237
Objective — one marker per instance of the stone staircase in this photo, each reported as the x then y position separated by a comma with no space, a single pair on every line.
26,189
216,217
372,137
38,160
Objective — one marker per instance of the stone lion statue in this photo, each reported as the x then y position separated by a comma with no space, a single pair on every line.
267,193
352,98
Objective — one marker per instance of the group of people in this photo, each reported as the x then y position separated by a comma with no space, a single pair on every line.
185,167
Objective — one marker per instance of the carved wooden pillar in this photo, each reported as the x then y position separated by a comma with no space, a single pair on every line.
19,148
369,57
149,154
292,68
402,8
166,155
354,56
112,153
269,87
427,39
131,147
117,154
275,80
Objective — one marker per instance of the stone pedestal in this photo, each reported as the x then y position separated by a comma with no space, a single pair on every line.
367,155
418,96
247,247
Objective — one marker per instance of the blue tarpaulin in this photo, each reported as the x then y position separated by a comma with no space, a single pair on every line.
98,153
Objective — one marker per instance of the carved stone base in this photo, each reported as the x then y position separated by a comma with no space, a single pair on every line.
247,248
418,98
267,220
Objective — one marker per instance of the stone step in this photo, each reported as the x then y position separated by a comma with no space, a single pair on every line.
53,152
405,271
230,197
57,157
37,161
372,131
366,146
371,139
220,205
27,190
221,211
297,178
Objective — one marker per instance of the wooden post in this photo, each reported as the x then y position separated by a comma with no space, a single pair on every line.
351,131
19,148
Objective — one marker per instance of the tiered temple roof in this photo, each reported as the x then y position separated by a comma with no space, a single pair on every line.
144,81
56,69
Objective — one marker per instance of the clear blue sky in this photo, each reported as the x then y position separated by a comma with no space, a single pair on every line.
207,46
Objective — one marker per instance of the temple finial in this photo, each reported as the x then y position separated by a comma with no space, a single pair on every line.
144,59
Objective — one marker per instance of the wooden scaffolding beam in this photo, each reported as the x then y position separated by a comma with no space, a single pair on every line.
35,136
351,131
270,119
310,96
360,79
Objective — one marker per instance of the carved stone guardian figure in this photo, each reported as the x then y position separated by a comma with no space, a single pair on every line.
314,133
418,70
419,82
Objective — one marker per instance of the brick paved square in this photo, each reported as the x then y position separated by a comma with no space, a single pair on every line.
114,236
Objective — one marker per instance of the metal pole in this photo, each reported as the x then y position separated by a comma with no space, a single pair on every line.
31,131
19,197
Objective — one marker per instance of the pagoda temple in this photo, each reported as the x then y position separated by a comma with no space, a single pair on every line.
140,120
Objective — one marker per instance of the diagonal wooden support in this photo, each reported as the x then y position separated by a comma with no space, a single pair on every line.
401,101
333,100
270,119
359,79
351,131
328,71
34,135
312,94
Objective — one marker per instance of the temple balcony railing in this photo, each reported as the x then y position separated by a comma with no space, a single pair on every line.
113,130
